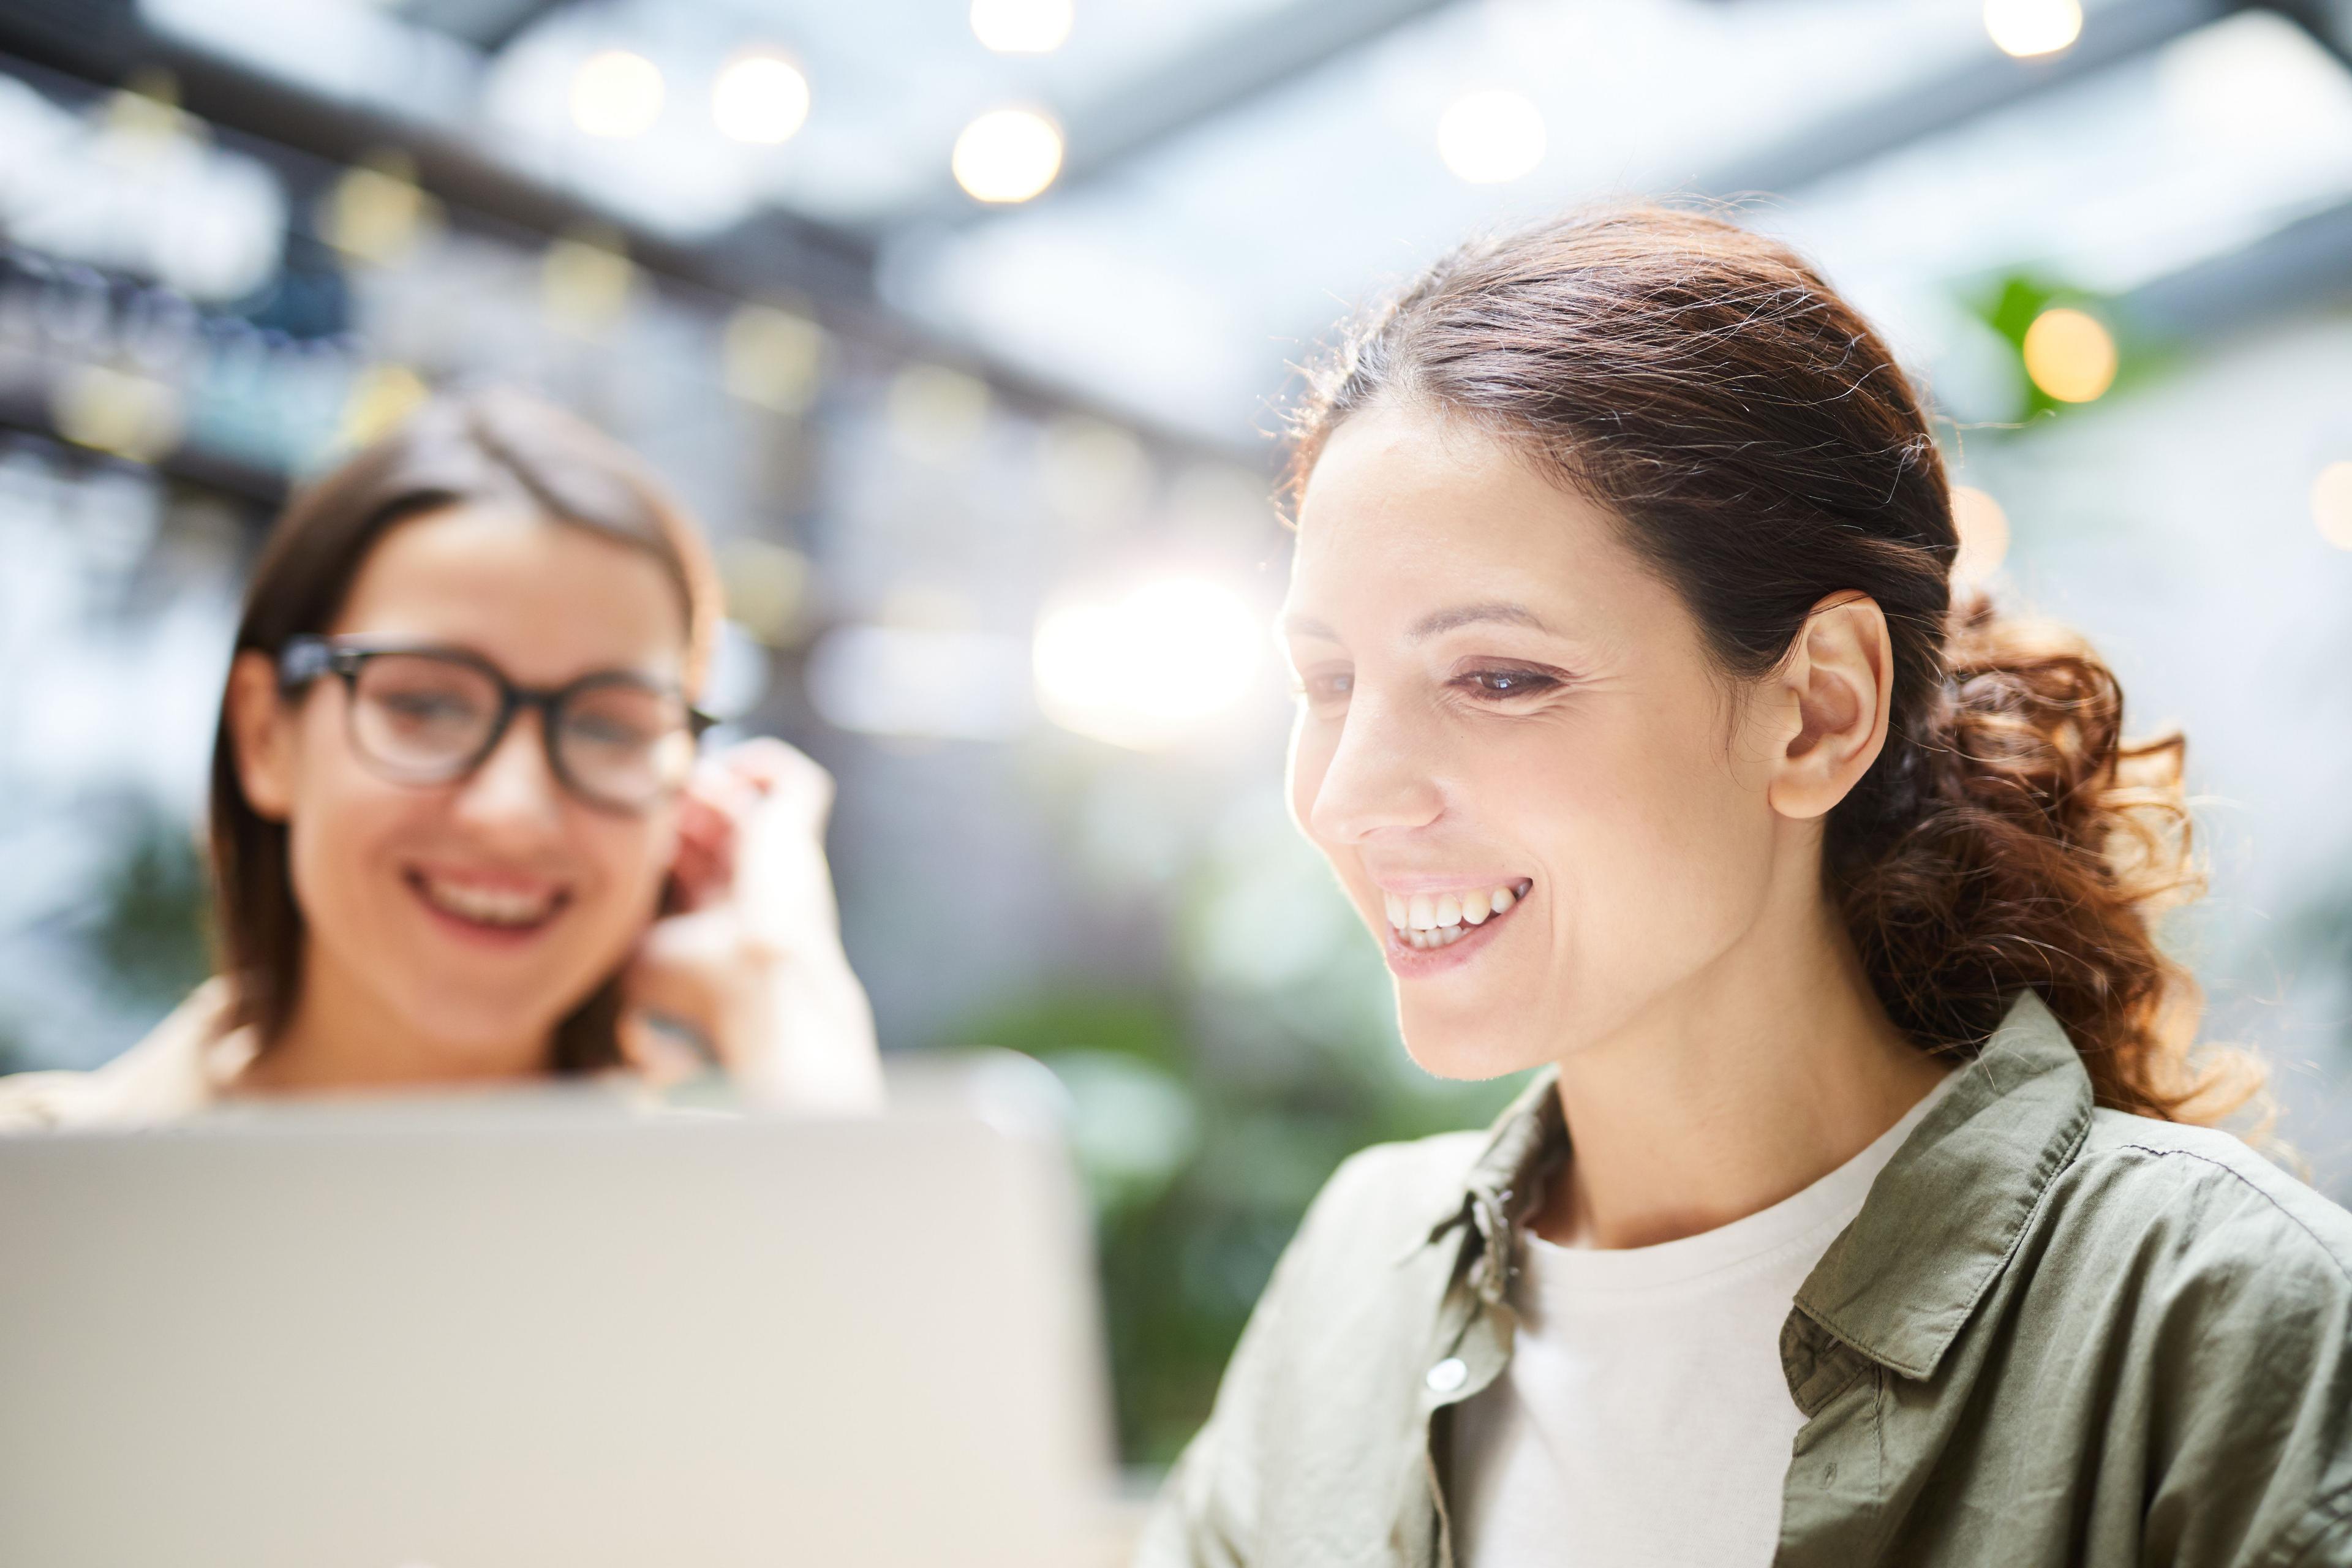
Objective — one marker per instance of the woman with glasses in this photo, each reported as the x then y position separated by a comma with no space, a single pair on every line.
458,829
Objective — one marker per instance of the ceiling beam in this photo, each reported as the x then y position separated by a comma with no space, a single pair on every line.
308,138
2111,35
2306,265
1222,73
488,25
1213,78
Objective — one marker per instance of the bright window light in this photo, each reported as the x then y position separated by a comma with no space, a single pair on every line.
762,98
1491,138
616,95
2070,355
2028,28
2331,504
1022,27
1149,668
1984,533
1008,155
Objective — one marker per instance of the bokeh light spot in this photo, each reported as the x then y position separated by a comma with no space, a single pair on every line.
586,280
1491,138
2029,27
1007,155
616,95
762,98
118,411
937,414
2070,355
2331,504
773,358
1984,534
382,398
376,213
1022,27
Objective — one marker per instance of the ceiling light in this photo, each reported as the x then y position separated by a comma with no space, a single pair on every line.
1022,27
2029,27
1491,138
616,95
1008,155
2331,504
762,98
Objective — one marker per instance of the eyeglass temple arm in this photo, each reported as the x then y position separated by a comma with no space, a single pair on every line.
303,660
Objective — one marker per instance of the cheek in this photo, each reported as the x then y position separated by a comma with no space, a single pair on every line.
342,820
625,861
1671,849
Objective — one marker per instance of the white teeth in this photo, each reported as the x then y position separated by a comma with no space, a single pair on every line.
1422,920
488,906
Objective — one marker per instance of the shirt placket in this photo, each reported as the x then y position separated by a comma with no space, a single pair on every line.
1469,1351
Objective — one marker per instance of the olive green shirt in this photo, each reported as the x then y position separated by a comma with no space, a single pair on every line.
2054,1334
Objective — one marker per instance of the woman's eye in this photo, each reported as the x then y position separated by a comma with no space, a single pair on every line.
1494,683
1326,687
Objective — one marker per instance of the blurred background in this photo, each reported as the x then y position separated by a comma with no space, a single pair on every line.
966,325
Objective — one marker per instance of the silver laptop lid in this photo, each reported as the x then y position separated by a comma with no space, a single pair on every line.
507,1334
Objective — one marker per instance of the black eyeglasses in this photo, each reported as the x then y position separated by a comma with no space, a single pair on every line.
616,739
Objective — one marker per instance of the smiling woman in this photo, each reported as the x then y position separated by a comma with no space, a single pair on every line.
1864,1207
458,832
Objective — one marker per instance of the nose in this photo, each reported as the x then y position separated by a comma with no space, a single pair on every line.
1379,777
513,795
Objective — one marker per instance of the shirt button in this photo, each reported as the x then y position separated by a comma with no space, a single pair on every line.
1448,1374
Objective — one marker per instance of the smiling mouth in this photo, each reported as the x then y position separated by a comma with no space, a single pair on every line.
510,910
1427,921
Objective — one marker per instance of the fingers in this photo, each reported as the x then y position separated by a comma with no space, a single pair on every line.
680,990
703,867
779,774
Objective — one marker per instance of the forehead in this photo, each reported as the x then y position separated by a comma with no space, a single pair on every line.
546,601
1407,510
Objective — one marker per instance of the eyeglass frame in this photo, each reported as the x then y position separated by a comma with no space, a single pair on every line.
308,658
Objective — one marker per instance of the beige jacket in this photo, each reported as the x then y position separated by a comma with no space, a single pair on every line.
182,1068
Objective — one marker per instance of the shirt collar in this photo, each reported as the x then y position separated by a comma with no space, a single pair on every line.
1941,1220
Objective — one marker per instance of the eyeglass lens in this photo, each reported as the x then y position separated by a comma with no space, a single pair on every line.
427,717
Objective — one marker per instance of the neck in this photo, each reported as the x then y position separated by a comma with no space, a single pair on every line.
341,1035
1742,1088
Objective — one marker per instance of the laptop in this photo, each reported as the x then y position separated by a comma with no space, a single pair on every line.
550,1330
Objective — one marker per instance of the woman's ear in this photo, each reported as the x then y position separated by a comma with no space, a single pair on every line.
1835,688
261,727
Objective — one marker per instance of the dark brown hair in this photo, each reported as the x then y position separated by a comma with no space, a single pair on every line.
1763,451
489,447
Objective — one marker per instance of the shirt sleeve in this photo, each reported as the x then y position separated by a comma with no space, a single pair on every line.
2249,1407
1206,1515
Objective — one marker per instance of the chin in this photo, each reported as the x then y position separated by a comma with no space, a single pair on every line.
1467,1050
471,1034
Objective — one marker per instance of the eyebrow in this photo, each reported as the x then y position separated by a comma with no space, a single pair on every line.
1501,611
1498,610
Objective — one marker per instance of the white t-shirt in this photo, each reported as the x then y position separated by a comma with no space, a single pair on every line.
1643,1420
